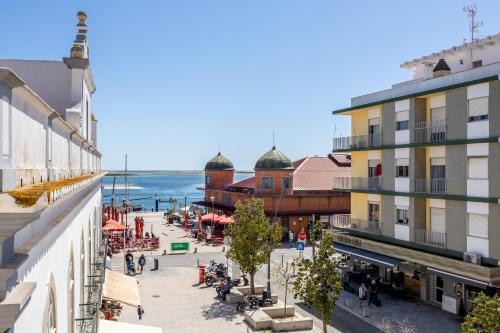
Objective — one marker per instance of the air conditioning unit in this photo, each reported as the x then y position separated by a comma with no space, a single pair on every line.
473,258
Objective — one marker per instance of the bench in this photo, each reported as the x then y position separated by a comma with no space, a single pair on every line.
237,294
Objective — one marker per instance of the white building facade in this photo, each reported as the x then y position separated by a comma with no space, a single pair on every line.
51,254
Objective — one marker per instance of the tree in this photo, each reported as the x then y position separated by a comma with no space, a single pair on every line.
250,234
485,316
284,275
318,281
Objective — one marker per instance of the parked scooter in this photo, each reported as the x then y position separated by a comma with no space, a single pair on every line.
253,302
214,275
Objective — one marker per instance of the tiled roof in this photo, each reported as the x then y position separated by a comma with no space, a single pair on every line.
317,173
246,183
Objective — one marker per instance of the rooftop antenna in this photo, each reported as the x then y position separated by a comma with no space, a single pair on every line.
474,25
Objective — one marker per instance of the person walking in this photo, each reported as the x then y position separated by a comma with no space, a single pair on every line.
142,262
362,295
373,294
129,256
140,311
290,238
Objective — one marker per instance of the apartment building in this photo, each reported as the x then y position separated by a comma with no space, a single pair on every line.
425,181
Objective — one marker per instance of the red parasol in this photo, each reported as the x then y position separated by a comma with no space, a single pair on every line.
114,227
210,216
226,220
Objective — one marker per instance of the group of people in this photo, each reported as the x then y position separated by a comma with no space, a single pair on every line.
370,292
129,260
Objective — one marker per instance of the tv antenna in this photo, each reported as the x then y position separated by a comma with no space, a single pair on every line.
474,25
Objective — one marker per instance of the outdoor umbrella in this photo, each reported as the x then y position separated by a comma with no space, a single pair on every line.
226,220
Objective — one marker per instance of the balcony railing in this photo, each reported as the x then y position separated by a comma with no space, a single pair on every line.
349,223
434,131
430,186
358,141
357,183
429,237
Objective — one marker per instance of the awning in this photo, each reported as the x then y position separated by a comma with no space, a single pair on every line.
368,256
121,288
458,278
110,326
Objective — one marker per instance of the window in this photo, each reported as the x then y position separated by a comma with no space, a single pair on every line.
267,182
208,180
478,109
286,182
402,125
402,171
478,168
227,199
477,225
402,121
402,215
477,63
373,212
438,221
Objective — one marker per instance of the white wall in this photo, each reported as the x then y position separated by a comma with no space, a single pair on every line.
54,265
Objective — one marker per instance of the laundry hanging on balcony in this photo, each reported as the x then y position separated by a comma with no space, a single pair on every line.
378,170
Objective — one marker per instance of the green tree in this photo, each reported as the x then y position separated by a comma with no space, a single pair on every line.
251,234
485,317
318,281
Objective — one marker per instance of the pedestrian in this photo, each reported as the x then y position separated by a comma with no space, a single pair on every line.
362,295
142,262
373,294
290,238
140,311
129,257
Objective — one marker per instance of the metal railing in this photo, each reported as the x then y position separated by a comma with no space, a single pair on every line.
433,131
357,141
88,323
429,237
430,186
349,223
357,183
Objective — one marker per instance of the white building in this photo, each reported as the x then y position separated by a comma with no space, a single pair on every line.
49,235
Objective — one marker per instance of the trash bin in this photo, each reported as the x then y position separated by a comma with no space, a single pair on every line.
201,269
155,264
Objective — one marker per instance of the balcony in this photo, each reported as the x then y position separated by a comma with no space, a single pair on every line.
357,183
429,132
429,237
356,142
430,186
348,223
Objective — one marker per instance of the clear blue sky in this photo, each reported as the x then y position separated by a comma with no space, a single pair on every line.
175,78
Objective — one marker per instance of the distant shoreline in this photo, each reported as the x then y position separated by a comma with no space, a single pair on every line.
136,173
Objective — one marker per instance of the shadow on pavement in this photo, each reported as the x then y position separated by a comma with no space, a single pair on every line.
219,310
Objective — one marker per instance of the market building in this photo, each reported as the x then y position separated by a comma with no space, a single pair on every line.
51,254
296,192
425,182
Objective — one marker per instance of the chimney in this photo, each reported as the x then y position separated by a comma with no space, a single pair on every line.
441,69
80,47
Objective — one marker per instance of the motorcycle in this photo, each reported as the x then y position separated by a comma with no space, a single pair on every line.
213,275
233,282
253,302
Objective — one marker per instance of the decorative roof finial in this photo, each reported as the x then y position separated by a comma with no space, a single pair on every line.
80,46
274,143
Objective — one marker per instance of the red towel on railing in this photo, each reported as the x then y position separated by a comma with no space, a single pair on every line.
378,170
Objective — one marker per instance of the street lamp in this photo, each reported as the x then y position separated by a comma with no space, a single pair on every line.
212,198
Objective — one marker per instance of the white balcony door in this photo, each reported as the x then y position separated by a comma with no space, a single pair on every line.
438,220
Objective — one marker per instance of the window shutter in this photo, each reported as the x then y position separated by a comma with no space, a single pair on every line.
374,121
438,161
438,114
438,219
403,115
402,162
478,168
478,225
478,106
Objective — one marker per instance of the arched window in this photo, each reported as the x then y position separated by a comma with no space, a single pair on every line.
71,294
50,315
82,274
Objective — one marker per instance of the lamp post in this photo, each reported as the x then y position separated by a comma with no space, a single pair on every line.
212,198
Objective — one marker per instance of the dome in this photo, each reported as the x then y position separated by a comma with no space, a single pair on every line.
219,162
273,159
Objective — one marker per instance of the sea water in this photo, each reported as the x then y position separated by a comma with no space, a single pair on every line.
145,186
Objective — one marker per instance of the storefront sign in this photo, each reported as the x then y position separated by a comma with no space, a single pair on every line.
348,240
179,246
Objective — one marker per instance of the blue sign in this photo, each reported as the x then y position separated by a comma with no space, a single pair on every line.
299,246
